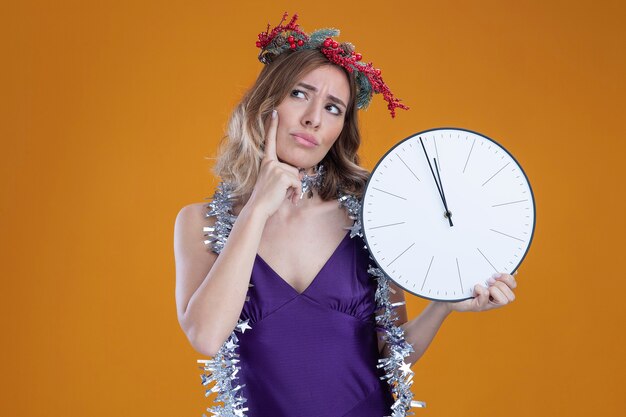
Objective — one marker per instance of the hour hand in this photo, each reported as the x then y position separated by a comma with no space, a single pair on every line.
448,213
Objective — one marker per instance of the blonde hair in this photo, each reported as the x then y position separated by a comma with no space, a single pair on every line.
242,149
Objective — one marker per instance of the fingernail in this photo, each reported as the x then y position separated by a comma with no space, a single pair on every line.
496,275
491,281
274,114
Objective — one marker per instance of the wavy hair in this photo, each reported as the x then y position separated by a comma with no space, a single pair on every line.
241,150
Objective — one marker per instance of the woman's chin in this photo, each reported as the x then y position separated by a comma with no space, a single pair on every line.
297,163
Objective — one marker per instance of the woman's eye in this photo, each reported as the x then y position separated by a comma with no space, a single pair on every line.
333,109
298,94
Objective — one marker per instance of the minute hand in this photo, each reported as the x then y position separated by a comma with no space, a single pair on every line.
448,213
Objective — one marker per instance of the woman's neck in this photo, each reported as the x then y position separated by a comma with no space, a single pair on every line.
301,207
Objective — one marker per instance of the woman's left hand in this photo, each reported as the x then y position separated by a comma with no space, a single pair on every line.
498,294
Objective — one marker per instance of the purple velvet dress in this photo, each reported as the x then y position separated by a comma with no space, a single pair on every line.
314,353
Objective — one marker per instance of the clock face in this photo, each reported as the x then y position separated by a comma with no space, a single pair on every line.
437,229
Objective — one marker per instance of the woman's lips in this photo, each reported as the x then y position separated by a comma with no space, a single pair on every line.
305,139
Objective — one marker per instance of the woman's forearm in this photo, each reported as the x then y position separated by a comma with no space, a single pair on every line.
215,307
421,331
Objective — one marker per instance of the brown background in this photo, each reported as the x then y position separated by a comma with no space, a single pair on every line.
111,111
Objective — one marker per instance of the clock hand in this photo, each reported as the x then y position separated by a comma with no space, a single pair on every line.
431,168
447,213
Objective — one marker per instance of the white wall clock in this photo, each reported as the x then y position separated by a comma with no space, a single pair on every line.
446,208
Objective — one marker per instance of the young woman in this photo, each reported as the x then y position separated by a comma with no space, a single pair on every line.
289,275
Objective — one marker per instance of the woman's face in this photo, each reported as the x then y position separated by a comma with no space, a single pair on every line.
311,116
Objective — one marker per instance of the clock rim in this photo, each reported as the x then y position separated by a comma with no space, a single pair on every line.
532,234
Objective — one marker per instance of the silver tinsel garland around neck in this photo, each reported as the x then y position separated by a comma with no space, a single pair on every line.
223,367
312,182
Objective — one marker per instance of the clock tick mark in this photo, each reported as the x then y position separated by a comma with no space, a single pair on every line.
403,252
511,202
387,192
468,155
494,268
458,269
437,153
386,225
512,237
407,167
426,276
495,174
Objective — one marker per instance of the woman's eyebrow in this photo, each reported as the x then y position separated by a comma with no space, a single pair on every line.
330,97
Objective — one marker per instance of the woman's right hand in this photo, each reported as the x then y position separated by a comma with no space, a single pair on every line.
276,180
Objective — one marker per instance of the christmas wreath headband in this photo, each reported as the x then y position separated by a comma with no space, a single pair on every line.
290,37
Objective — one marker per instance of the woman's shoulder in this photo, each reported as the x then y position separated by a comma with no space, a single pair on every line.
192,218
193,211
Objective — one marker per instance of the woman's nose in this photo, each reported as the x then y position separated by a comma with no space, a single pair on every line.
312,117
